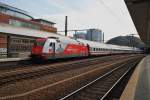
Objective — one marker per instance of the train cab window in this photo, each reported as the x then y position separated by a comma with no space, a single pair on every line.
35,44
40,42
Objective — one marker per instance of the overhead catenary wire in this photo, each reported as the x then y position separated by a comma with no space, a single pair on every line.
112,12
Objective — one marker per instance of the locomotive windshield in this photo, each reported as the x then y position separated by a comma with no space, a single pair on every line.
40,42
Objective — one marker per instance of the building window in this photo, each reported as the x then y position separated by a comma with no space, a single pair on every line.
23,24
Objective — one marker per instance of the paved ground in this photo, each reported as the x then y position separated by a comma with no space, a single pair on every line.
13,59
138,87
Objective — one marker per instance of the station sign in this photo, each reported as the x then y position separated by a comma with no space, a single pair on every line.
3,50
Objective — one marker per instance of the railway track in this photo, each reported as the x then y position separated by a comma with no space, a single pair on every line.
100,88
12,76
26,64
64,86
14,65
11,65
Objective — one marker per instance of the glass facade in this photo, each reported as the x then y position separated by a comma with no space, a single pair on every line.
47,23
94,35
14,13
23,24
19,45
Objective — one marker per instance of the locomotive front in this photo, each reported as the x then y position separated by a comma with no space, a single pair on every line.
37,49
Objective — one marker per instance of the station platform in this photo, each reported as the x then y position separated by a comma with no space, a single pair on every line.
138,87
13,59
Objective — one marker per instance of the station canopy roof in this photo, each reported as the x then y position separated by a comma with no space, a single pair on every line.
12,30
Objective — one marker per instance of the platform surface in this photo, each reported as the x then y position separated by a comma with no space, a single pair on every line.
138,87
13,59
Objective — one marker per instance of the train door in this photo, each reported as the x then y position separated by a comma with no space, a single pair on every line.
49,47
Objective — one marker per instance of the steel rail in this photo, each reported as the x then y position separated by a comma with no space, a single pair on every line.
13,76
67,96
99,78
118,81
45,87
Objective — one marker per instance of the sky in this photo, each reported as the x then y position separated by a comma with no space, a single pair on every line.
111,16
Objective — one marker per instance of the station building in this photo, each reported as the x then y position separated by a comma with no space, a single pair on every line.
17,29
80,35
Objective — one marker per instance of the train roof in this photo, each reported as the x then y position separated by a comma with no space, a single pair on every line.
103,45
